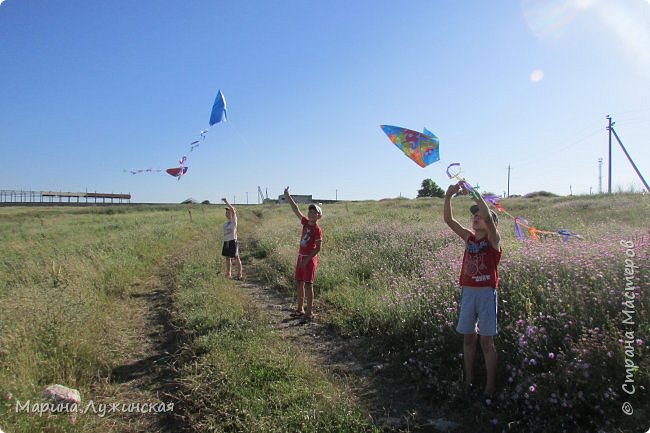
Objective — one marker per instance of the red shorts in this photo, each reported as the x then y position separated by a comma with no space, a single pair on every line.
308,272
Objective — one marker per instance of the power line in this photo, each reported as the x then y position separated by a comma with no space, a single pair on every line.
552,153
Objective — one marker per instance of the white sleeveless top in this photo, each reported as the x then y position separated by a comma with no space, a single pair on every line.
230,230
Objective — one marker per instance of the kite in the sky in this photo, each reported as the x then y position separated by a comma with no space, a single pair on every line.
180,170
218,114
422,147
454,171
175,171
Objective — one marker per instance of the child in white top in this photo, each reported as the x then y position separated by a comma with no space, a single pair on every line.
230,248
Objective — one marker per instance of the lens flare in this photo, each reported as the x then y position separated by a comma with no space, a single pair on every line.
537,75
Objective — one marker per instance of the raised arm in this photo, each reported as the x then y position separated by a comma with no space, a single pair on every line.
234,211
484,211
294,207
461,231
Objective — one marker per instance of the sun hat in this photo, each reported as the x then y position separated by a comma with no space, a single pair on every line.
316,208
474,208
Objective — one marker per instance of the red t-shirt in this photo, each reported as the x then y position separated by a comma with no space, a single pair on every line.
310,234
480,263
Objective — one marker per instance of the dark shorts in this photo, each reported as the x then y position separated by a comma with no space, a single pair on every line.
230,249
308,272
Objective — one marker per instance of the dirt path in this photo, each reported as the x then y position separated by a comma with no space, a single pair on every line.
149,375
379,384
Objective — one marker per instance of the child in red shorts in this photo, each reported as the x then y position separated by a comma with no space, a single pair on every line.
310,245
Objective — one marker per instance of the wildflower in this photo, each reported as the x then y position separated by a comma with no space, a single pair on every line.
532,388
531,331
551,355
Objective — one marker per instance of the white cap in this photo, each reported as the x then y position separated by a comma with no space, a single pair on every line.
317,208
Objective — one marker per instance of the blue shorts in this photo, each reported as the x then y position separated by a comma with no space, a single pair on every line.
478,311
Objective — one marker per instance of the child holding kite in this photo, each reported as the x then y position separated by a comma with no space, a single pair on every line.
479,279
230,248
307,263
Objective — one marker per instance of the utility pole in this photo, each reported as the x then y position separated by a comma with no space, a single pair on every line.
508,180
629,158
600,175
609,176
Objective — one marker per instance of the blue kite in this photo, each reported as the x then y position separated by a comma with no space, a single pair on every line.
218,113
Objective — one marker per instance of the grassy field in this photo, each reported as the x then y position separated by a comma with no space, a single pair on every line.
389,269
66,277
387,274
69,278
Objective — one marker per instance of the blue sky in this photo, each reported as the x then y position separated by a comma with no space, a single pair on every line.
89,89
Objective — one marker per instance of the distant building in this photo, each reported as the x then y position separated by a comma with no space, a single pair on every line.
300,199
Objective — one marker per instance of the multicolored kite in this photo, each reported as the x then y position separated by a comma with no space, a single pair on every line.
421,147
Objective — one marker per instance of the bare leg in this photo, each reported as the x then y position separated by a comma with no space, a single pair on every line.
309,289
228,267
301,295
241,271
490,355
469,354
